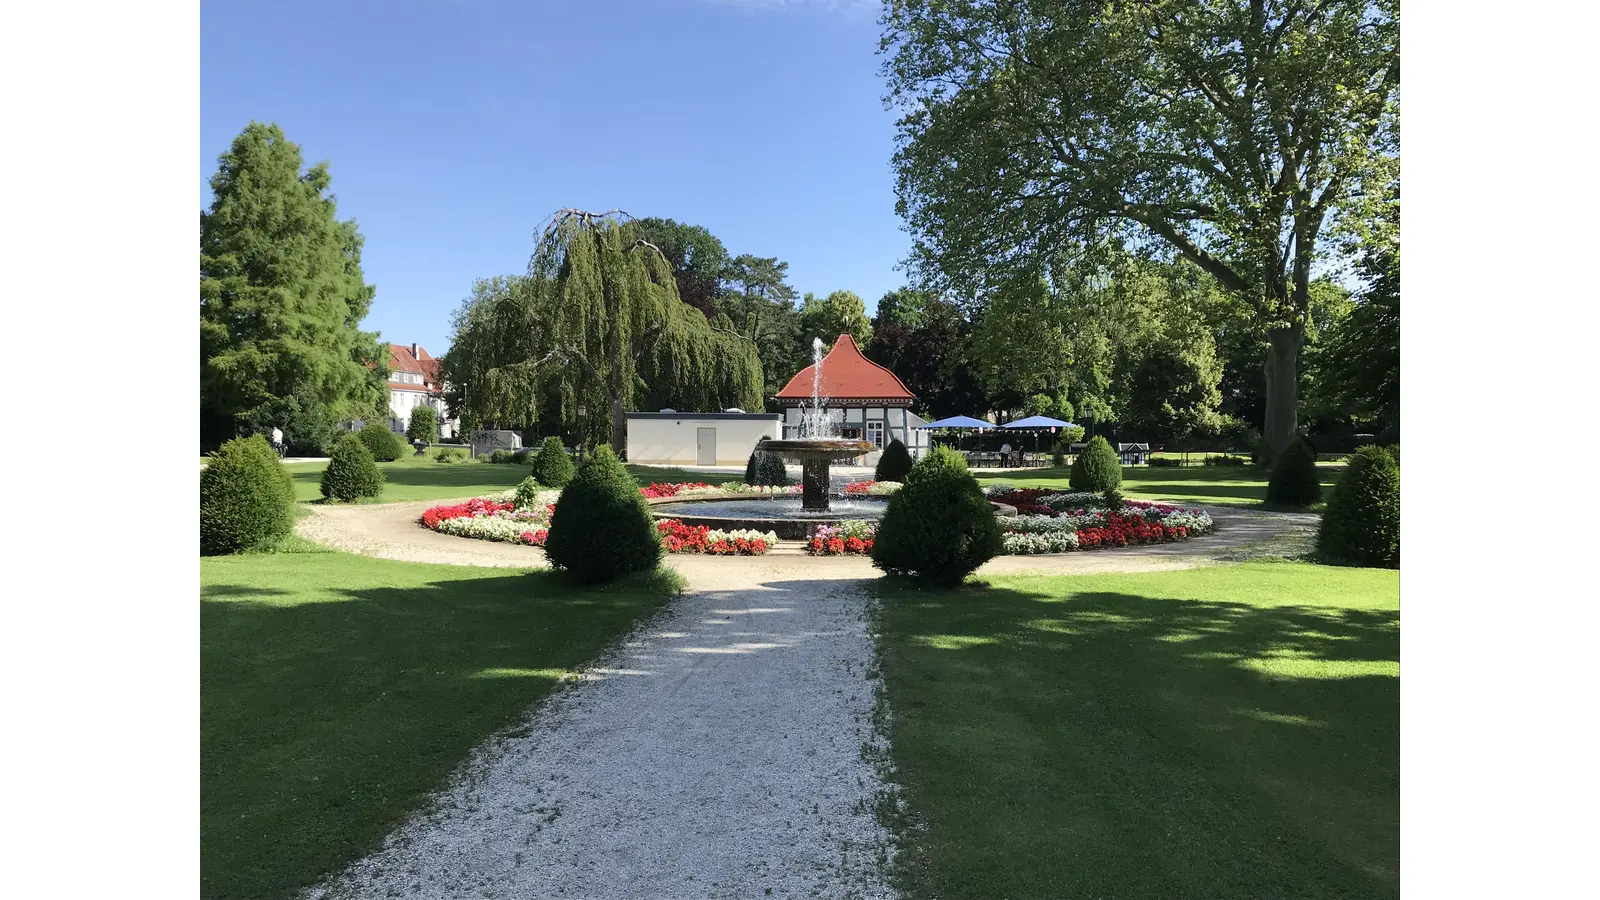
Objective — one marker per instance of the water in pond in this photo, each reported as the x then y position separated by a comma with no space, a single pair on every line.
779,508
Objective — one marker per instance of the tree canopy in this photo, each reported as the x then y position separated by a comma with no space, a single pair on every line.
1232,133
282,296
841,312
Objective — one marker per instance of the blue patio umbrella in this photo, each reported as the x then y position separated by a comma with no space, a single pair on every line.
1036,424
957,422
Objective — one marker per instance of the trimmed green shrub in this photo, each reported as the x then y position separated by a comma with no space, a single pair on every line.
503,457
1113,499
772,471
1293,478
752,466
383,444
602,527
1163,462
939,527
1227,460
894,464
527,492
243,503
351,473
1097,468
1362,522
453,455
424,425
1058,454
553,467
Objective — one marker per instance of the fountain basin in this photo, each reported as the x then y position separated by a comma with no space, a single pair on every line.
788,517
814,455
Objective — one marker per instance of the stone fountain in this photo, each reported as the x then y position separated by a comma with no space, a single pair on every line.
819,444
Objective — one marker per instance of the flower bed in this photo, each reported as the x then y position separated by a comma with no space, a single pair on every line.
693,488
871,488
1052,522
680,538
495,519
852,537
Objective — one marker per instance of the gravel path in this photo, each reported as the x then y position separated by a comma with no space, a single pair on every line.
720,753
390,531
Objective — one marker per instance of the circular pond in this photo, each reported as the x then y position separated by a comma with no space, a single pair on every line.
786,516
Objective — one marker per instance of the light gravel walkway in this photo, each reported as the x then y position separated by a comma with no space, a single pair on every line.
721,753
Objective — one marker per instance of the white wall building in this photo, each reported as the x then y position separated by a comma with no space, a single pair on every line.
414,381
705,439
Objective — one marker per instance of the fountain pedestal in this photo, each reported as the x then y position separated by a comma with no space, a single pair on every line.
814,456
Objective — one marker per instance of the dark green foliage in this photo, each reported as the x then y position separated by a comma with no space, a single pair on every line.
281,298
894,464
1362,521
453,455
246,499
351,473
752,466
527,491
773,472
1293,480
1227,461
1097,468
553,467
939,527
424,425
1113,499
383,444
1163,462
1058,454
503,457
602,527
525,456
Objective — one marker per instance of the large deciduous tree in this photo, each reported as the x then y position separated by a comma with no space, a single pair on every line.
1235,132
841,312
281,297
598,321
699,260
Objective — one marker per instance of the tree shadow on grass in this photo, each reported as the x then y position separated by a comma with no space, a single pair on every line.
326,718
1107,744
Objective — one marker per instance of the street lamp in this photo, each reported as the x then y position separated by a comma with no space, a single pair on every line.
581,429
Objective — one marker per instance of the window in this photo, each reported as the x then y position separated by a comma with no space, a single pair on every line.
875,434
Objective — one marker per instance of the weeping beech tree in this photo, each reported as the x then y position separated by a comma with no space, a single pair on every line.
597,324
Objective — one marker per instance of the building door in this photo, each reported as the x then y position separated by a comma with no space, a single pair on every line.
705,446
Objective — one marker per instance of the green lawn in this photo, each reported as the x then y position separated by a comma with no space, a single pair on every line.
1230,731
338,690
1205,485
413,478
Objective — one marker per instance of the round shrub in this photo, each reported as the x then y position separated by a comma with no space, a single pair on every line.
1293,479
938,528
243,502
528,492
752,466
383,444
503,457
424,425
1097,468
351,473
1362,522
894,464
602,528
553,467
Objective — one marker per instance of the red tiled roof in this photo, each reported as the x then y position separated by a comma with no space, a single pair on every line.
401,360
847,375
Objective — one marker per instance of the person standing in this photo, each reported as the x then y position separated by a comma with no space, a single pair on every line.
1005,454
277,439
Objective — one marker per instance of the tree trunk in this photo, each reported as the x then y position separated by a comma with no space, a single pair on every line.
1283,390
619,428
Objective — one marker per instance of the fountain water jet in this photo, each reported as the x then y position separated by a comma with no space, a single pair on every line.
818,445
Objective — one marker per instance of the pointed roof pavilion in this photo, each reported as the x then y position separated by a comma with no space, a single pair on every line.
848,379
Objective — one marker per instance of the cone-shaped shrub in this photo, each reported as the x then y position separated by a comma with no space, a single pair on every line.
1362,522
383,444
351,473
939,527
1097,468
772,470
553,467
269,459
243,504
752,466
602,528
1293,480
894,464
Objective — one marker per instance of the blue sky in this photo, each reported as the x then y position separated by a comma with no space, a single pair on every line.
454,127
